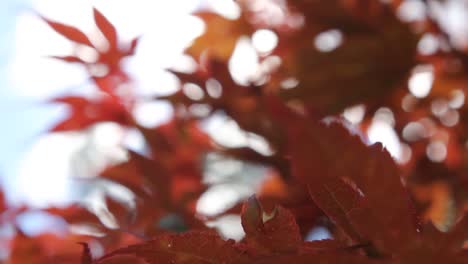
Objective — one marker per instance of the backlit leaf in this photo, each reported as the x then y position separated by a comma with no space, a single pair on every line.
69,32
106,27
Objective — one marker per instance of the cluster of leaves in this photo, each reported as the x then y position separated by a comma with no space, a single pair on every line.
322,169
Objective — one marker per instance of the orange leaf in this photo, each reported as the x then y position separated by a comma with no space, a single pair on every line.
220,36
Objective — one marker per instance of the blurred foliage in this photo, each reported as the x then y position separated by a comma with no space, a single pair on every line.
319,168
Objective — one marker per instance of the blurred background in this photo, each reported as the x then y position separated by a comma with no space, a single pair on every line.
37,167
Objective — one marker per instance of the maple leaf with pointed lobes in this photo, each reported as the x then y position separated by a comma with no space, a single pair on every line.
348,192
358,187
276,240
220,36
168,181
192,247
138,167
106,27
113,55
178,147
76,214
87,112
69,32
69,59
110,56
149,181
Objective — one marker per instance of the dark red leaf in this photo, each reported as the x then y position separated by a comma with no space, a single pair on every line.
86,257
333,257
355,192
278,234
122,213
123,259
191,247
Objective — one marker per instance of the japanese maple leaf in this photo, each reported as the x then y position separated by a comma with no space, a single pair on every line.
275,240
349,180
360,189
109,57
87,112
